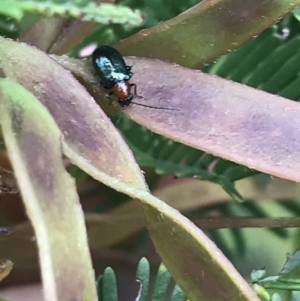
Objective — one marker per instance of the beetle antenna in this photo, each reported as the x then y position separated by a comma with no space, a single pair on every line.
158,108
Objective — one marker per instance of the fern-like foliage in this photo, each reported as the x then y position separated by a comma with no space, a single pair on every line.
269,62
287,280
107,285
155,12
85,10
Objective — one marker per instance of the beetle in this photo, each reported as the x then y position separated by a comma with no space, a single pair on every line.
115,75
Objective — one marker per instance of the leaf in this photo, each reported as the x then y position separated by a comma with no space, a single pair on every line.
169,157
257,274
5,269
261,292
107,286
285,282
87,11
56,35
117,224
194,262
296,13
161,284
230,23
9,28
254,128
267,62
292,262
91,141
11,10
256,117
87,130
143,275
33,143
276,297
295,296
177,294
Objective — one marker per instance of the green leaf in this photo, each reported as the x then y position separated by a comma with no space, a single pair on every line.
230,24
108,284
257,274
240,64
261,292
5,269
286,282
276,297
295,296
296,13
161,284
11,9
86,10
290,279
293,261
100,287
268,62
143,275
177,294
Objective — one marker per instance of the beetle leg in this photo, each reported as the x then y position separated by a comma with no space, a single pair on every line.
128,68
105,86
134,88
108,96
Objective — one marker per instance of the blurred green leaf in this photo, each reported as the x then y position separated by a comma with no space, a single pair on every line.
257,274
8,27
177,294
5,268
296,13
261,292
161,284
295,296
292,262
290,282
230,23
85,10
143,275
276,297
107,286
268,62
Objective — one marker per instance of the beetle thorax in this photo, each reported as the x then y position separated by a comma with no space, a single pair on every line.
122,90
